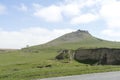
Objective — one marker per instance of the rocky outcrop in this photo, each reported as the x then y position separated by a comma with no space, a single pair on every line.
98,56
104,56
65,54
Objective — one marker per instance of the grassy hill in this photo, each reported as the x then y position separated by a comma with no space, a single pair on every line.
39,61
77,39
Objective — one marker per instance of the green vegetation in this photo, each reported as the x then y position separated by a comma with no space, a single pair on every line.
27,66
39,61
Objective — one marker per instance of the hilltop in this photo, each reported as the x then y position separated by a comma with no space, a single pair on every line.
72,37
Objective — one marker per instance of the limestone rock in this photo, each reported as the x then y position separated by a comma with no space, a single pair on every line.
103,56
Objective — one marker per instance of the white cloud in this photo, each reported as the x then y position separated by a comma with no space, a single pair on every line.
85,18
30,36
23,7
2,9
110,34
71,9
110,11
83,2
68,9
50,14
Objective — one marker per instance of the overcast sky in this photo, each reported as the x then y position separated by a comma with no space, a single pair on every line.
33,22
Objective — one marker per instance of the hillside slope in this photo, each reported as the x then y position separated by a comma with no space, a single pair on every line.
77,39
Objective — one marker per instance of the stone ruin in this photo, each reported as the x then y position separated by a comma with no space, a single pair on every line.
98,56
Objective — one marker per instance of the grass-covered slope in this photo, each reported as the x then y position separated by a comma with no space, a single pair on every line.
39,61
77,39
22,65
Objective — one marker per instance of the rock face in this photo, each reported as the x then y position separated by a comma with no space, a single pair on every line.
104,56
65,54
98,56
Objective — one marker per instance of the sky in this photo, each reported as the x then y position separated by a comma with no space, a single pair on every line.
33,22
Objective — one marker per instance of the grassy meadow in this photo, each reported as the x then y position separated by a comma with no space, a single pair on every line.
39,62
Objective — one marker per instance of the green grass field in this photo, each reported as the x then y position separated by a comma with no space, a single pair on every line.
39,62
